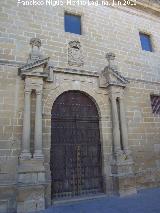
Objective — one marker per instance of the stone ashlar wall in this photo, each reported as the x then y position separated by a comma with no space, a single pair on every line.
104,29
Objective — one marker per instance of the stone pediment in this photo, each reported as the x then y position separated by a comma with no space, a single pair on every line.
113,77
35,68
110,75
37,64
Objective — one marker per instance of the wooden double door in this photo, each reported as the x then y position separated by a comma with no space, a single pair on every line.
75,146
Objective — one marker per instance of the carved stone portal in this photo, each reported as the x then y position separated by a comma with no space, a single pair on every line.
75,57
31,172
122,165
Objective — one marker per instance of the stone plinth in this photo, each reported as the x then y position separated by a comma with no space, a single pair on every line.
30,198
31,186
122,174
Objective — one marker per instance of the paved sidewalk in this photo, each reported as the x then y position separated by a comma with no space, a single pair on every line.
146,201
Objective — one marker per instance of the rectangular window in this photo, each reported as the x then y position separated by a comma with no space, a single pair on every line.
72,23
155,103
145,42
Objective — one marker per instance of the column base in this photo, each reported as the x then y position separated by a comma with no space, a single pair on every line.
38,155
8,198
30,198
122,174
25,155
31,185
124,185
122,156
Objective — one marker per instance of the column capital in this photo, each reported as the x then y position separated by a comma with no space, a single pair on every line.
122,97
112,96
27,91
38,91
116,91
119,95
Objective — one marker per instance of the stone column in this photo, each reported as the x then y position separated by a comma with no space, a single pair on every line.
115,124
38,126
124,131
26,126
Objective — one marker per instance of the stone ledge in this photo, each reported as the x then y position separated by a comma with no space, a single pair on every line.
8,185
32,185
31,165
130,174
149,6
11,63
75,71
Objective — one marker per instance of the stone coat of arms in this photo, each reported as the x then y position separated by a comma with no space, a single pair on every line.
75,57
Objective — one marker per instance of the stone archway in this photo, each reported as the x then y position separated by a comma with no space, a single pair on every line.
76,167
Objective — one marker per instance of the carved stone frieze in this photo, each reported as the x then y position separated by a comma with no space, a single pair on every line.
75,57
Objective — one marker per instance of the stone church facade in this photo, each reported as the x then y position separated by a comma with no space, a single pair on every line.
50,78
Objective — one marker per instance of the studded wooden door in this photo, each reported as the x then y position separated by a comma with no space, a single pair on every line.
75,146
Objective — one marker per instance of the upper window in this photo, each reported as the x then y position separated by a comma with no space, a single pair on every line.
155,103
72,23
145,42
